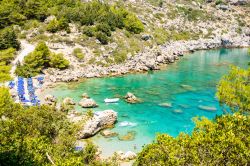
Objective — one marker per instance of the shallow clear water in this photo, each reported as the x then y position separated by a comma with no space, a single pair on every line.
187,84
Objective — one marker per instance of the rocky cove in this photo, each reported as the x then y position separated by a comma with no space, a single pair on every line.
169,99
149,59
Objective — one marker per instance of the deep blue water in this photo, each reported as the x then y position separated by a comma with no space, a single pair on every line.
187,84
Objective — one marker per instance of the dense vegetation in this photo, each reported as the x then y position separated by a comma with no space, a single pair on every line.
39,136
8,39
40,59
99,18
8,45
6,56
224,141
234,90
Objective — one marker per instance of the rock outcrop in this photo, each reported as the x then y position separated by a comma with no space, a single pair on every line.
129,155
100,120
149,59
131,98
50,99
88,103
68,101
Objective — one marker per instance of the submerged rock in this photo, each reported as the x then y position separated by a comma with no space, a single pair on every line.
108,133
88,103
131,98
68,101
128,137
187,87
207,108
165,104
184,106
100,120
85,96
177,111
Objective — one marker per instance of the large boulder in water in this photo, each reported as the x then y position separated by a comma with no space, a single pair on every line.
88,103
50,99
68,101
129,155
131,98
100,121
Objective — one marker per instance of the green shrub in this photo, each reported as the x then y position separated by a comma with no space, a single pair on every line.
133,24
39,38
120,56
55,25
7,55
90,113
58,61
105,28
89,153
89,31
218,2
92,60
193,14
4,73
161,36
158,3
63,24
8,39
40,59
30,24
102,37
77,52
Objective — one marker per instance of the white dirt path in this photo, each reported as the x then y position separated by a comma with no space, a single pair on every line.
26,49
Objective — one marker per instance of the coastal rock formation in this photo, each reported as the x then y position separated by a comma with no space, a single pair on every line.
100,120
88,103
131,98
150,59
50,99
108,133
68,101
129,155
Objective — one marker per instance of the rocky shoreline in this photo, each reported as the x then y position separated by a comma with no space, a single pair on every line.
148,59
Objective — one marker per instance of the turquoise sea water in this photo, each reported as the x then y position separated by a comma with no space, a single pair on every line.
187,84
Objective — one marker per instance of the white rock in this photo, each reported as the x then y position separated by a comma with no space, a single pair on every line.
68,101
100,121
88,103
